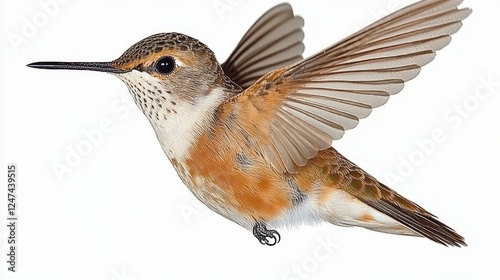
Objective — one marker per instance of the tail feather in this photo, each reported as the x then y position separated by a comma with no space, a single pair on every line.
425,225
378,207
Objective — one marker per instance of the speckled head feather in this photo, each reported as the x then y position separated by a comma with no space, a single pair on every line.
154,46
194,61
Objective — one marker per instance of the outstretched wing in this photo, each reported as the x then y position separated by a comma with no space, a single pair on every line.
296,111
273,41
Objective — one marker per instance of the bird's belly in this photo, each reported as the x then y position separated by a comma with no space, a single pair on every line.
243,196
307,212
217,200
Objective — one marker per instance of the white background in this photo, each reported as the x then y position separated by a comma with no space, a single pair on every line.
121,213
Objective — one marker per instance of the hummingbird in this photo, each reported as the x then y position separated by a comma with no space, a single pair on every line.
252,137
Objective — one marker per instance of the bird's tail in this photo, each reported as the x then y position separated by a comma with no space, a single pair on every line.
423,224
388,216
358,199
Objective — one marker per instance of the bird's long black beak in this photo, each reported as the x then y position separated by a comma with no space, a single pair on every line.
92,66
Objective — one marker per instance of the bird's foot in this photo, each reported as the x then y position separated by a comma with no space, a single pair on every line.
265,236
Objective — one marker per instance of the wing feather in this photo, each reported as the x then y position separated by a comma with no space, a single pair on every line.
313,101
273,41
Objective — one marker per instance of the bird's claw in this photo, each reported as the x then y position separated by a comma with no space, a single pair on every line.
266,236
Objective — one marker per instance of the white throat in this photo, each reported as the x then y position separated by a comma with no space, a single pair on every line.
177,121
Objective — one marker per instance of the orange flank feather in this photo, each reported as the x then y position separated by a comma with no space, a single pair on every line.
227,174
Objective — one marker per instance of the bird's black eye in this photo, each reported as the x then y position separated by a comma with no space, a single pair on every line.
165,65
